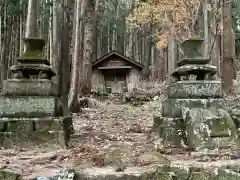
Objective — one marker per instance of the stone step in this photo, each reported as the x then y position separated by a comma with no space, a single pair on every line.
35,124
163,172
179,172
7,174
25,132
46,139
119,102
29,106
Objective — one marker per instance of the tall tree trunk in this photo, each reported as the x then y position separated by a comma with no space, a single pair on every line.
147,55
227,38
114,30
64,60
31,25
95,31
215,37
166,62
50,34
129,45
55,45
86,66
21,21
206,34
4,49
136,53
108,37
129,37
1,57
73,92
172,48
100,38
152,57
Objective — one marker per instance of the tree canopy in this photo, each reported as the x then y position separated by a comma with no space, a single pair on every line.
178,14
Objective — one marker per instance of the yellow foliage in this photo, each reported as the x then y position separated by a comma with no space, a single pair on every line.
162,43
163,40
161,12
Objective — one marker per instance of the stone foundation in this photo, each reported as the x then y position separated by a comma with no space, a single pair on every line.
196,114
29,87
26,132
138,173
28,106
172,107
195,89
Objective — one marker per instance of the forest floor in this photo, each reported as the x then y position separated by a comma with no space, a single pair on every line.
111,127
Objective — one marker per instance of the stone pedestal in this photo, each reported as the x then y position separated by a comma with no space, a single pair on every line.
30,108
30,87
195,113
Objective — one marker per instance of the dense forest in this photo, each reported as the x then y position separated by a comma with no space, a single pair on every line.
119,89
78,32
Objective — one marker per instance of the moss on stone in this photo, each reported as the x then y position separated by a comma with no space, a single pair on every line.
192,47
20,131
203,125
200,176
194,70
157,122
29,87
224,174
24,114
172,131
45,139
20,126
223,126
161,173
9,175
195,89
31,106
186,60
177,173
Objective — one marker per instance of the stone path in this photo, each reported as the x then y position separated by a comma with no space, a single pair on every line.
121,129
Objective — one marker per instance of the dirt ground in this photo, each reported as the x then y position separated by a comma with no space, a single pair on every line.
118,128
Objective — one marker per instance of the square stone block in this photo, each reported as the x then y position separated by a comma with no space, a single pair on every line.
48,124
195,89
173,107
171,130
24,132
21,126
227,174
54,124
31,106
6,174
46,139
24,125
206,128
30,87
200,176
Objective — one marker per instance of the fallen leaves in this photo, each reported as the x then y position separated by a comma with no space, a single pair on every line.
136,128
109,128
47,157
149,158
100,133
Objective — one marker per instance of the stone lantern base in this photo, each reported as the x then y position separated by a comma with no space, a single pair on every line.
31,111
